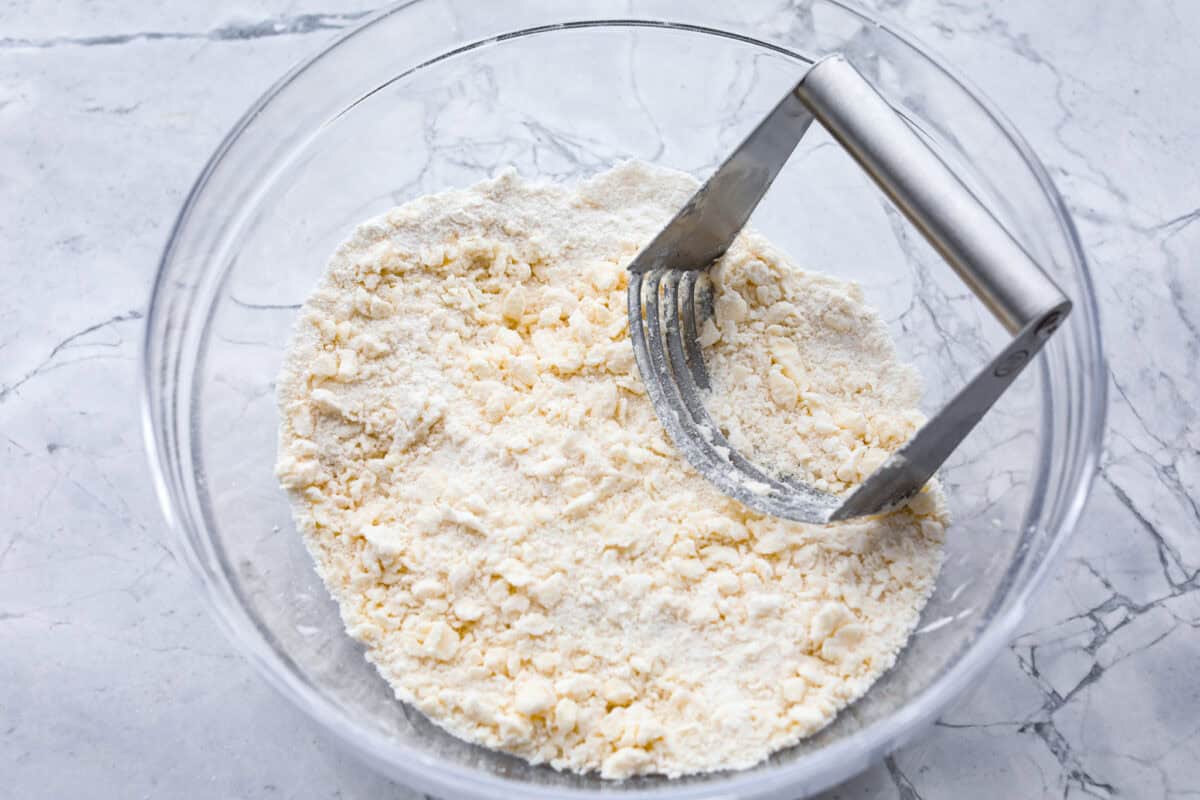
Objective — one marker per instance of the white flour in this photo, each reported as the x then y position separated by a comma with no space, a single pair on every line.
488,495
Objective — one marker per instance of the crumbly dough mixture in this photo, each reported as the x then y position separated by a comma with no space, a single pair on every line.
488,495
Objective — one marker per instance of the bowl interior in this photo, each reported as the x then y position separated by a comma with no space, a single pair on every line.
561,104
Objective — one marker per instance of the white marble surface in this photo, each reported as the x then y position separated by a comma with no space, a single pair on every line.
114,682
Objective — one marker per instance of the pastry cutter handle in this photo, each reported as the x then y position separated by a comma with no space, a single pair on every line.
971,240
987,258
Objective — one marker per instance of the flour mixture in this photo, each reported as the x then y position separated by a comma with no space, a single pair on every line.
490,498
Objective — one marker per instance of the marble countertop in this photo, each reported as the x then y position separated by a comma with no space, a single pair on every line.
114,681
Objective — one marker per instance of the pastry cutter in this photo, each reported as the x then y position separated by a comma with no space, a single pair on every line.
669,293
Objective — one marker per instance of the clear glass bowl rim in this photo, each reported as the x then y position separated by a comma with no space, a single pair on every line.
813,772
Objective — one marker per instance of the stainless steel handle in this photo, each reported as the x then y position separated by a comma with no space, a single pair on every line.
973,242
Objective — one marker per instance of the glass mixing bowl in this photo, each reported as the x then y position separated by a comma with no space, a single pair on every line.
427,96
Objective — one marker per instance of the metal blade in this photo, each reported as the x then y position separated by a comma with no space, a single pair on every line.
705,227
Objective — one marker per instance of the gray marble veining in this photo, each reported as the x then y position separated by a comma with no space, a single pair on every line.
114,682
